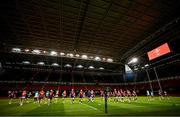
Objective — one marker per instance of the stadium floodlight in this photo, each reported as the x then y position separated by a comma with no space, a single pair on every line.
26,62
133,60
84,57
53,53
91,67
135,69
101,68
45,52
41,63
62,53
67,65
77,55
26,50
79,66
55,64
146,65
97,58
16,50
71,55
36,52
109,60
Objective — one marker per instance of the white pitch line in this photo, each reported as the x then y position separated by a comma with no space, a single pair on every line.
90,106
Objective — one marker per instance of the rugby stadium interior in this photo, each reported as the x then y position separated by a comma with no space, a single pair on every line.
90,45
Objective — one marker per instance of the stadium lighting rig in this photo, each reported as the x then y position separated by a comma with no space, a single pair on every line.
133,60
91,67
53,53
41,63
97,58
79,66
101,68
55,64
16,50
109,60
26,62
36,51
68,65
84,57
61,54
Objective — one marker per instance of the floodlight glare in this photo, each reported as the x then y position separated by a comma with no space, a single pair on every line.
36,52
101,68
91,67
26,50
97,58
77,55
109,60
26,62
133,60
55,64
16,50
41,63
84,56
67,65
53,53
62,53
79,66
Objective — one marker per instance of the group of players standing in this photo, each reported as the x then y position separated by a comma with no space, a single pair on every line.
46,97
121,95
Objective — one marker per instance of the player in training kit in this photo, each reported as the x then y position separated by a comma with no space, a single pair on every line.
11,95
102,95
148,94
128,96
80,96
115,95
50,97
72,96
134,95
28,96
36,97
56,95
41,96
23,97
92,96
119,96
47,96
160,95
89,95
165,95
64,95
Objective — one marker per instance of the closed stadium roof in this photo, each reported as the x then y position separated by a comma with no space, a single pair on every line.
111,28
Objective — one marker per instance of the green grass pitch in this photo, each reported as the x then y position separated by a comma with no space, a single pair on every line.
141,107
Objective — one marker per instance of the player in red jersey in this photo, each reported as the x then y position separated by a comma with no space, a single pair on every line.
64,95
160,95
41,96
50,97
72,96
115,95
56,96
80,96
102,94
119,95
128,95
134,95
23,97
